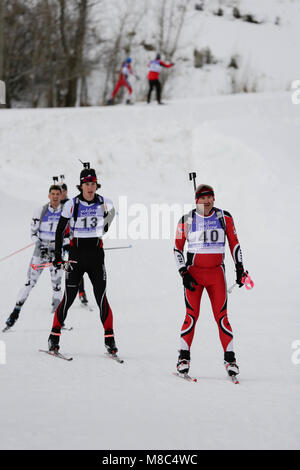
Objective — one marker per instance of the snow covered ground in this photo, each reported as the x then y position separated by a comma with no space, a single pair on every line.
247,147
265,52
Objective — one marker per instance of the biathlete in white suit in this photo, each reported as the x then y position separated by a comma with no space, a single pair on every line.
88,216
43,227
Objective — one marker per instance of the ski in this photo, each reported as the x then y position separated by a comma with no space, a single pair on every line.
115,357
57,354
6,328
233,379
232,376
185,377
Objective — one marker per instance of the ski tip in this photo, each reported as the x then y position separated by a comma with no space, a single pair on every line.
234,380
186,377
56,354
115,357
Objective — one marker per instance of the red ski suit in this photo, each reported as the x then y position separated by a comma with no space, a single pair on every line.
123,80
206,250
155,68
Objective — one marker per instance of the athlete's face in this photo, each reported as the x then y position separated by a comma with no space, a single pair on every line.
89,190
55,198
64,194
205,204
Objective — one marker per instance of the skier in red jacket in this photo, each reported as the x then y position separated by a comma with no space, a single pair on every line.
205,230
153,77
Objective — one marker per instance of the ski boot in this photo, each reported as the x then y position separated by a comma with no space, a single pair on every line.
109,102
82,298
183,364
53,341
109,342
13,317
230,364
128,101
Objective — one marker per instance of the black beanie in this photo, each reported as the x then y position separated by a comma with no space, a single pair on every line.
88,175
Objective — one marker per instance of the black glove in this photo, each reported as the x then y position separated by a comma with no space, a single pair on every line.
66,248
57,262
187,279
240,273
44,251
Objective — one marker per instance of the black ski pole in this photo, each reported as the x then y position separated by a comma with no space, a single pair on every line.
192,177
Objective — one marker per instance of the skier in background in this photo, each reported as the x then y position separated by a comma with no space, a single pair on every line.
43,228
153,77
125,72
81,291
205,230
89,216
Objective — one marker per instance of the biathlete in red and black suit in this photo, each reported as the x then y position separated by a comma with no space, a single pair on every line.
153,77
205,230
89,216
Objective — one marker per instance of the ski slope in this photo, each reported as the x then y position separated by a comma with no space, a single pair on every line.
247,147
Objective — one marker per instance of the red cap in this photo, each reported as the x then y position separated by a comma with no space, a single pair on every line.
204,190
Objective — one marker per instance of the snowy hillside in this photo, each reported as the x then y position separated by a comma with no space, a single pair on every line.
215,54
247,147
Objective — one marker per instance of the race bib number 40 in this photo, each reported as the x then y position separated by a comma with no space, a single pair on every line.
206,235
211,241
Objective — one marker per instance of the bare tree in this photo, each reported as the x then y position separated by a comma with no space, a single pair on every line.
44,50
121,40
170,21
1,39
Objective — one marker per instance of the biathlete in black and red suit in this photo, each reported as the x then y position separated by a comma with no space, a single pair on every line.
81,290
89,216
205,230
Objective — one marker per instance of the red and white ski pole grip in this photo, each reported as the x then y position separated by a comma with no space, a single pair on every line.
36,267
247,281
47,265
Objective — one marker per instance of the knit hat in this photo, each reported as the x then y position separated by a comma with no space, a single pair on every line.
88,175
204,190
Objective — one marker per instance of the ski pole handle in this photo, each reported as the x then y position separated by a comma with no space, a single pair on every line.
247,281
36,267
192,176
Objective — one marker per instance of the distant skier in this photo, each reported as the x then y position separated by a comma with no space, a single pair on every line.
205,230
43,228
153,77
123,80
81,291
89,216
